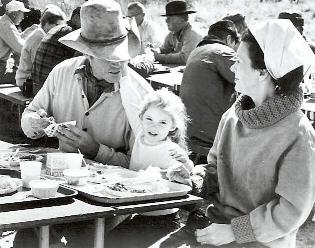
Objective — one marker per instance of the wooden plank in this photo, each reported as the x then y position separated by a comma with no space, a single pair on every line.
74,211
44,237
13,94
99,235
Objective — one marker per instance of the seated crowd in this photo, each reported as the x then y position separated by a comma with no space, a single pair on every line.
240,92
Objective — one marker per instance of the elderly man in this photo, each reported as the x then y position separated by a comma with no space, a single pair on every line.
96,90
207,86
51,52
182,38
149,30
51,17
11,40
92,89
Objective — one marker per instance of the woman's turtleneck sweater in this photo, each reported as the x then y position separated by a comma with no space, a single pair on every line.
265,158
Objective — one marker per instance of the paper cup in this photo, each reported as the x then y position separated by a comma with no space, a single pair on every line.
30,170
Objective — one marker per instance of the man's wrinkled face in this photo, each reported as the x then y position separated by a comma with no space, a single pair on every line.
111,71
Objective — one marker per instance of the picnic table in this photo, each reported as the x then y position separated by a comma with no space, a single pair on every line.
13,94
167,75
80,209
308,107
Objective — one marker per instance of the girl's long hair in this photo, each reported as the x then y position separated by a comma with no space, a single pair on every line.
174,106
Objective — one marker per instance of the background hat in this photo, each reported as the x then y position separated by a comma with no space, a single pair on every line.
104,33
225,26
294,16
283,46
177,8
234,16
16,6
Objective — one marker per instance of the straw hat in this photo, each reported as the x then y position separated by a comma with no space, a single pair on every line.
104,33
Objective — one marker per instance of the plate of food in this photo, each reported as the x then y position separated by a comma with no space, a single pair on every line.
8,184
14,159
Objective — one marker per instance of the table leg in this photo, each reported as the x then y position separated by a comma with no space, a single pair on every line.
44,237
99,233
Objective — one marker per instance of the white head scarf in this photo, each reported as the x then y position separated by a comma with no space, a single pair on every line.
283,46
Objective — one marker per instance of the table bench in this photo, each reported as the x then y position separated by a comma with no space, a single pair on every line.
13,94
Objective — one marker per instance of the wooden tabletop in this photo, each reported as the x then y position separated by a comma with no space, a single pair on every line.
308,105
75,210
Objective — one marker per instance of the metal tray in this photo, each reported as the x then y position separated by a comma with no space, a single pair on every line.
171,190
158,188
22,199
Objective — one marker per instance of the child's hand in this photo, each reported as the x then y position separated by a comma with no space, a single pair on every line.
179,173
181,156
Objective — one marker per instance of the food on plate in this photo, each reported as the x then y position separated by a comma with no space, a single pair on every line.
13,159
9,184
123,188
44,188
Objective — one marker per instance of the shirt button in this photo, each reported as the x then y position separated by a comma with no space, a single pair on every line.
82,96
84,129
87,114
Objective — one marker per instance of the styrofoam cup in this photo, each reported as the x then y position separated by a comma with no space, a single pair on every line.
30,170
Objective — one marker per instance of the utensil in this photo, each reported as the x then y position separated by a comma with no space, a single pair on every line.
84,162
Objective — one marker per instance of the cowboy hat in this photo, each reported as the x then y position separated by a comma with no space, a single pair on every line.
177,8
104,33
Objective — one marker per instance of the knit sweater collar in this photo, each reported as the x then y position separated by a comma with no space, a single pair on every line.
270,112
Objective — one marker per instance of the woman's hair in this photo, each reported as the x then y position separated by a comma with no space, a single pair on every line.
173,105
284,85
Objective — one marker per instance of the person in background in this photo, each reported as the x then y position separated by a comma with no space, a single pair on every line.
100,93
297,20
149,30
51,52
182,38
30,18
208,85
51,17
238,18
11,40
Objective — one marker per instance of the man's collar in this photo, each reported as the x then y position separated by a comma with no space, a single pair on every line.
179,34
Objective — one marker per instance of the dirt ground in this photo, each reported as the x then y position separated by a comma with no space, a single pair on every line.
10,132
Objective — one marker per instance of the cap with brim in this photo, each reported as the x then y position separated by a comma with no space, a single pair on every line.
14,6
234,16
177,8
102,37
283,46
295,17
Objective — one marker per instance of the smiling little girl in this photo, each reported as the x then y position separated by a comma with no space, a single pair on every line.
161,143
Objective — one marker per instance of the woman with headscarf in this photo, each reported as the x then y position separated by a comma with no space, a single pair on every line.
263,154
264,148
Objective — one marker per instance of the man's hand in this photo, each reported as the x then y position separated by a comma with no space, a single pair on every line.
78,139
39,122
215,234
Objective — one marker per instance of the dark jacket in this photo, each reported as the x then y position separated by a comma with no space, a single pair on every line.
206,90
